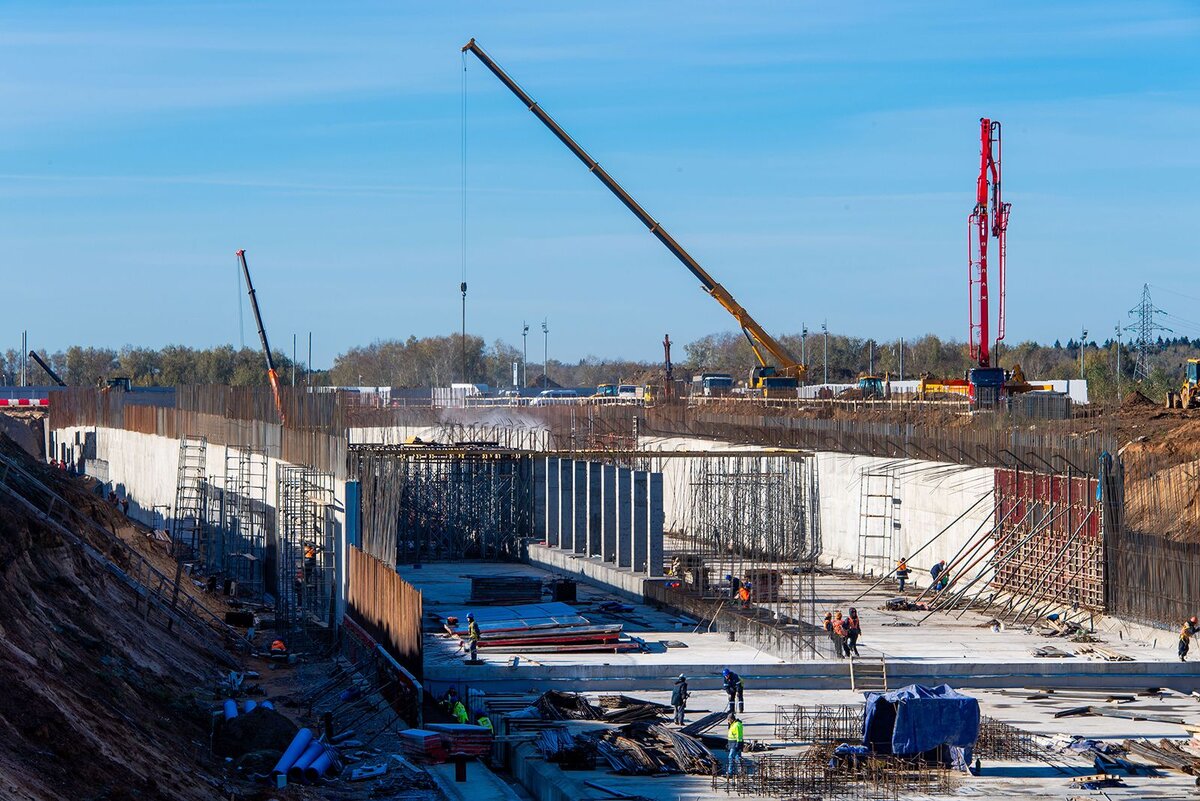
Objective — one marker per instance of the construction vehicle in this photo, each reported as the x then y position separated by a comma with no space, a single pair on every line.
41,363
272,374
1188,396
605,391
784,374
873,387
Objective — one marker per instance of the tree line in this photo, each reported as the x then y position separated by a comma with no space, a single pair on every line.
442,360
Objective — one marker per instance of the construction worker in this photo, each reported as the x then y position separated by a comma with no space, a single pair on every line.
841,633
1185,637
735,688
902,572
679,697
735,584
936,571
744,596
310,559
278,648
853,630
449,700
472,635
459,712
485,722
734,745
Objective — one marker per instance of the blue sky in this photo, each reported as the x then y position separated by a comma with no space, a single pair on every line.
818,158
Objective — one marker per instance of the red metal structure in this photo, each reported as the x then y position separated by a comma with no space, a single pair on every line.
988,219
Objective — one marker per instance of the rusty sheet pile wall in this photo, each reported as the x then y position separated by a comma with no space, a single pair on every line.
387,607
1049,543
235,416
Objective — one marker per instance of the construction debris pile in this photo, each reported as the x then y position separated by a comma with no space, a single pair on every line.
539,628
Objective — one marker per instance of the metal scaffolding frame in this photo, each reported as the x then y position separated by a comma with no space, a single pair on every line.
753,518
434,504
187,522
306,550
245,519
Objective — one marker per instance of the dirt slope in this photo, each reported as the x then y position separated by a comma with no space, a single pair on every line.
95,703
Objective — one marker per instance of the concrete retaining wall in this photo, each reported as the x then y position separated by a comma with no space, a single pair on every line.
144,468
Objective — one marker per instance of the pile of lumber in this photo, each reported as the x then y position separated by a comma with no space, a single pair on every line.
505,590
557,745
1166,754
1107,654
423,745
539,628
463,738
648,749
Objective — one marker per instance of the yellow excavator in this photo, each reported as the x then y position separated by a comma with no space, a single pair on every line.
1188,396
785,373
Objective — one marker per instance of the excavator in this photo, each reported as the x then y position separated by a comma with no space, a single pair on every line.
272,374
777,371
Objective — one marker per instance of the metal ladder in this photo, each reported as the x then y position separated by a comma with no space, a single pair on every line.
868,675
187,526
876,520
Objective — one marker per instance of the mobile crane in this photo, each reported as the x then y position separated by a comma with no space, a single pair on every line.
272,374
786,372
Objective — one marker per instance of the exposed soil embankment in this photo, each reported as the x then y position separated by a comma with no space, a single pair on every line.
95,702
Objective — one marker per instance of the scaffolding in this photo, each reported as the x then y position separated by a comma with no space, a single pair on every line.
433,504
877,523
244,520
187,524
752,518
306,550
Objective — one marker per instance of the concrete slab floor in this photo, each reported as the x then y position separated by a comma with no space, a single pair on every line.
896,636
448,585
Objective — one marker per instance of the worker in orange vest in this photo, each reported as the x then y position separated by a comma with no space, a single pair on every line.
902,572
278,648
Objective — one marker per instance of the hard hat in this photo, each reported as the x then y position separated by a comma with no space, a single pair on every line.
728,577
683,677
726,672
470,615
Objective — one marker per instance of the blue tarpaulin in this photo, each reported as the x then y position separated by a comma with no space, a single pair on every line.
916,719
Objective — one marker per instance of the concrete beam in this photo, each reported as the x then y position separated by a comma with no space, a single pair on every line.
624,517
641,519
579,493
608,513
566,509
595,505
654,544
542,497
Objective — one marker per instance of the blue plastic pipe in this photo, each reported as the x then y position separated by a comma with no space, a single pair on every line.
296,771
294,751
248,705
267,705
319,766
230,709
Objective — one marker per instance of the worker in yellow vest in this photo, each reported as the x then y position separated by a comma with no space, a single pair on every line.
460,712
485,722
734,745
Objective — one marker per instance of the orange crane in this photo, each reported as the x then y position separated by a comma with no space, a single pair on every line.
787,371
272,374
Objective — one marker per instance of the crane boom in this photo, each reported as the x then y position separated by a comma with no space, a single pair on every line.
272,374
760,341
33,354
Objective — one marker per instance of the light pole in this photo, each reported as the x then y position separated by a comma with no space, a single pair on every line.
1082,339
545,352
1118,362
524,354
825,335
804,345
870,357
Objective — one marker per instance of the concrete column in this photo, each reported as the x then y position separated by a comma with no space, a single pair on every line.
624,517
608,513
595,508
654,545
566,504
538,480
580,493
549,492
641,519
